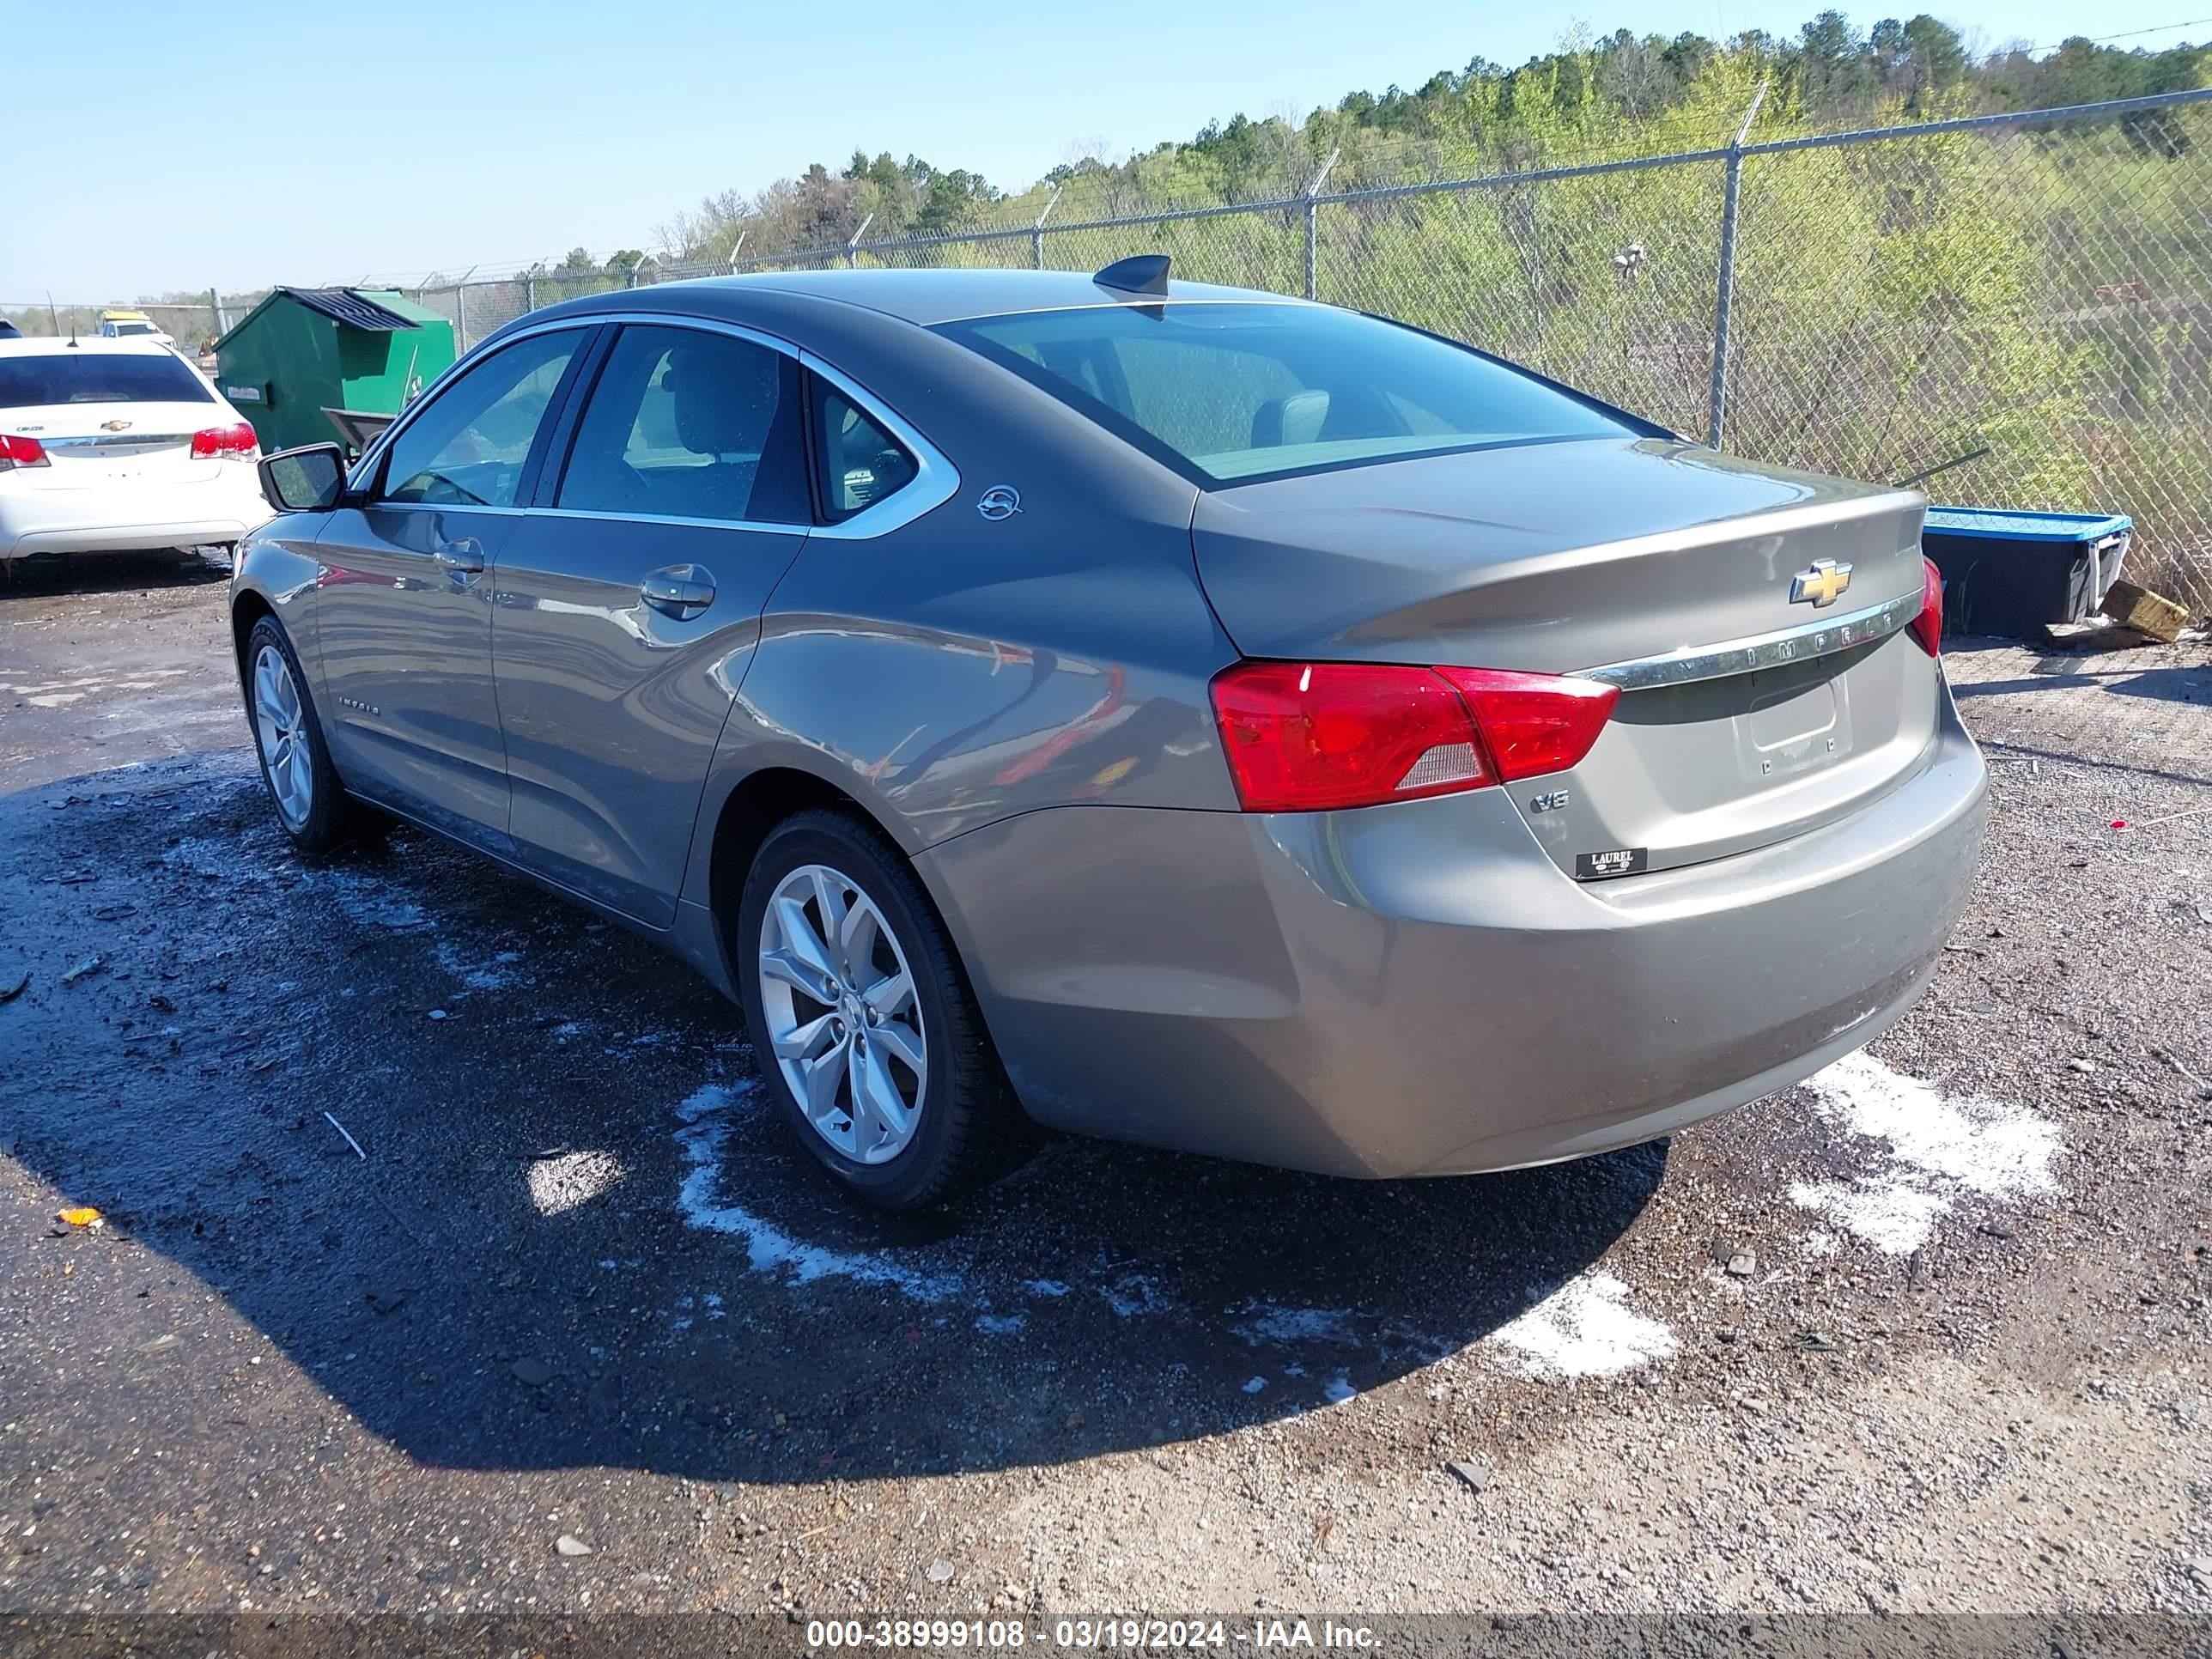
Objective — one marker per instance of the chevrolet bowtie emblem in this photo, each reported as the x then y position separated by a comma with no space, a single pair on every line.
115,426
1820,583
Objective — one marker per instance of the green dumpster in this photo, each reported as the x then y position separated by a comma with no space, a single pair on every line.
311,365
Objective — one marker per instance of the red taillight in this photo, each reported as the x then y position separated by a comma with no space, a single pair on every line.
1532,724
1928,626
215,440
22,451
1310,736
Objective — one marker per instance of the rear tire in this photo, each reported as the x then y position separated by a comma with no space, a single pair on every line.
864,1029
303,786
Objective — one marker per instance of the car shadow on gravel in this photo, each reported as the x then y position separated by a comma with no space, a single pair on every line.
2150,673
573,1236
2193,684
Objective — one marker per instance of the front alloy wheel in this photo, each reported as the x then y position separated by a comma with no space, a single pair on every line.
311,803
279,720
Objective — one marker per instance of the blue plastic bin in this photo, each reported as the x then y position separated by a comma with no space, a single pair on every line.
2010,573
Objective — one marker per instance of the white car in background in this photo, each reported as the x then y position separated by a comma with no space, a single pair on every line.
114,445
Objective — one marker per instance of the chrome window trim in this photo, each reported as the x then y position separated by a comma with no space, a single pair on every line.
936,481
440,507
587,513
1799,644
764,525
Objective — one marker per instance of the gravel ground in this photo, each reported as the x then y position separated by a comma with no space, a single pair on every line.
1928,1333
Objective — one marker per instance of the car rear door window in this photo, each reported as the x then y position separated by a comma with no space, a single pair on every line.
470,445
686,423
860,463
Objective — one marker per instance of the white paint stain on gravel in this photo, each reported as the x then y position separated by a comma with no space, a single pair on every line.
560,1183
213,856
372,901
495,973
60,694
711,1117
1936,1151
1584,1328
260,855
1285,1326
1133,1295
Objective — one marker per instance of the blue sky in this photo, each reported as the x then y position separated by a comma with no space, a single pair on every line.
181,145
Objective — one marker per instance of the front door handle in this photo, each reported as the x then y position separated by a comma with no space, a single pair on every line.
681,591
464,554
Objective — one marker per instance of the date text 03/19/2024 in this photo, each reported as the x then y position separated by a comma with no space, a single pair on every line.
1095,1634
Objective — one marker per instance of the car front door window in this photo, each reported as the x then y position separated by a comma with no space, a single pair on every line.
470,447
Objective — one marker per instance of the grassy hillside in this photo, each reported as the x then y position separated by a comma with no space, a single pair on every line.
1622,94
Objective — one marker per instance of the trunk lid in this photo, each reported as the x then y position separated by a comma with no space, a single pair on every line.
100,446
1637,557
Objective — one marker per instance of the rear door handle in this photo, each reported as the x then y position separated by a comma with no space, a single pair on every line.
464,554
681,591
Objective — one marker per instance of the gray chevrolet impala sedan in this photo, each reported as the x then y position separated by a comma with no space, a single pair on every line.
1150,709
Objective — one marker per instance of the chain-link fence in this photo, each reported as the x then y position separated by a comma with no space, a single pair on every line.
190,325
2016,308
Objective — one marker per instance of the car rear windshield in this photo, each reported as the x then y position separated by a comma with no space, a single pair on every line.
1228,392
97,377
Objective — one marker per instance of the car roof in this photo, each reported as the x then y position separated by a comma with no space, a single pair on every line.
929,297
38,345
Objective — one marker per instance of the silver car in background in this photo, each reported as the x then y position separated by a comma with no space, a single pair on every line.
1154,710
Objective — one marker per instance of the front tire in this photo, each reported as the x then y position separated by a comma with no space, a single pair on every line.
295,763
862,1022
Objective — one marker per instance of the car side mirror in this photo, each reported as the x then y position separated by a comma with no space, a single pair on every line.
308,479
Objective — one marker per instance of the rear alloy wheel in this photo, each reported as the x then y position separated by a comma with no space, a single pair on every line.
844,1021
303,786
861,1019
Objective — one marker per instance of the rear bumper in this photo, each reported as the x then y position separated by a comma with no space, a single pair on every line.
1418,989
121,519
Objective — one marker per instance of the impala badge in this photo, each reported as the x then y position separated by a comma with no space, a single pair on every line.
999,502
1820,583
